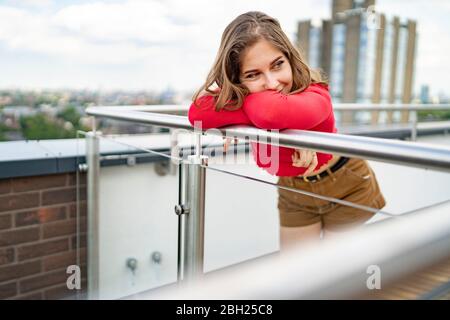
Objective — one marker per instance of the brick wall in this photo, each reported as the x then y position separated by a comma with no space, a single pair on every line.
38,238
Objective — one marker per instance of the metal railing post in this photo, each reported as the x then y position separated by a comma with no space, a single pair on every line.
193,216
93,171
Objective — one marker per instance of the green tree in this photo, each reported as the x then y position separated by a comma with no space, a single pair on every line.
2,135
427,115
39,127
70,114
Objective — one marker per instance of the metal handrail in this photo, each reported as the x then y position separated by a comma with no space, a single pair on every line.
397,152
337,268
336,107
341,107
149,108
388,107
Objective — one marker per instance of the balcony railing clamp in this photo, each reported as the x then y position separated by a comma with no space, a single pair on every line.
181,209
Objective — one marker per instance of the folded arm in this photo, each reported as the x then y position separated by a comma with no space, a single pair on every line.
302,111
207,117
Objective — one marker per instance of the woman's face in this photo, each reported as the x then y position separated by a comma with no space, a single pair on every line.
264,67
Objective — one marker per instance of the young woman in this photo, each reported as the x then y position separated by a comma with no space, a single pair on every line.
259,78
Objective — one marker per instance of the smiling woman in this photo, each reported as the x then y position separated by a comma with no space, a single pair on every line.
262,80
246,53
260,72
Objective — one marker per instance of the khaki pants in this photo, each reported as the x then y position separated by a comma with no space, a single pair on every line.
354,182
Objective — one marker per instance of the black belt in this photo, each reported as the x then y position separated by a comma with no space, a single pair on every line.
341,162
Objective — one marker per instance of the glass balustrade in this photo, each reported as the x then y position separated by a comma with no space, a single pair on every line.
128,238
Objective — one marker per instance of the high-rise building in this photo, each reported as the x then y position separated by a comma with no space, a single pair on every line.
367,57
425,94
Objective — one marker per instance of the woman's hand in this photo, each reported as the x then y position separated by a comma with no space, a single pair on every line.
305,158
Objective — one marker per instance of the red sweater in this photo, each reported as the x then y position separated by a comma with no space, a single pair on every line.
310,109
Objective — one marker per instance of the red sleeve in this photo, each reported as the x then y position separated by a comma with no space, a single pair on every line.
301,111
210,118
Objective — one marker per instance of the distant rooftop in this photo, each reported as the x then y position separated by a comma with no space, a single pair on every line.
42,157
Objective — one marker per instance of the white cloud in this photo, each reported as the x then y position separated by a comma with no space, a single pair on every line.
101,32
143,21
175,41
94,33
30,3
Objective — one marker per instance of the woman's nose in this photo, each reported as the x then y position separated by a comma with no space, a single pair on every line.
271,82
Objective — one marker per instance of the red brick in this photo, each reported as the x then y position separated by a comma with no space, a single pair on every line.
73,179
83,194
63,260
82,241
31,296
19,201
5,221
5,186
61,292
61,228
17,236
73,209
39,182
6,256
42,249
8,290
59,196
15,271
43,280
40,215
63,196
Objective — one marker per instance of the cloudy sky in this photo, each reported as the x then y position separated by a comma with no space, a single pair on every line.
154,44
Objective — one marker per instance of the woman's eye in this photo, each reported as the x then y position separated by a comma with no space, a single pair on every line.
251,76
278,64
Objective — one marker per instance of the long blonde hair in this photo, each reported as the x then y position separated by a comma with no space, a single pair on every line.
241,33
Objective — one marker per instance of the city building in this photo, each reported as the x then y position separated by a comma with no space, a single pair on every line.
367,57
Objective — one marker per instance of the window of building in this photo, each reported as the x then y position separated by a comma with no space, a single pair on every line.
387,61
337,61
314,47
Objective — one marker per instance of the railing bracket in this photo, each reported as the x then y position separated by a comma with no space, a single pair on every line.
181,209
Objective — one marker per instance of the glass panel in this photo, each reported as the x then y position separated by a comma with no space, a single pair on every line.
242,216
134,243
408,189
138,192
241,220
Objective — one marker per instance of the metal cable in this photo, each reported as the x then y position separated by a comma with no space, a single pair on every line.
330,199
144,149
